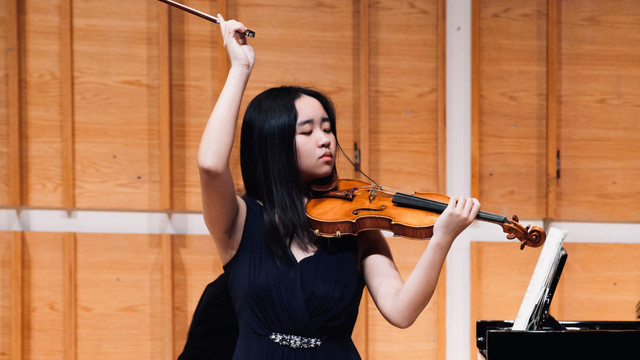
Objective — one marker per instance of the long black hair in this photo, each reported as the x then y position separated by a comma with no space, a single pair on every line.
270,168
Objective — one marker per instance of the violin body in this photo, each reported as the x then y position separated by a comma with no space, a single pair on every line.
354,206
349,210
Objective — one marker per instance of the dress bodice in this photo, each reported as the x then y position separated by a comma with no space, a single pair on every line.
316,298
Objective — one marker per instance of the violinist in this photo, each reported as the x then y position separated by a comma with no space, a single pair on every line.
295,295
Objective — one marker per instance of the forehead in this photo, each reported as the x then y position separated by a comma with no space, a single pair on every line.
309,108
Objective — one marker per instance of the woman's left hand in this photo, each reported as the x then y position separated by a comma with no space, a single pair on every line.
458,215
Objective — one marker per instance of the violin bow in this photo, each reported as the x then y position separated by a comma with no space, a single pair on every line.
206,16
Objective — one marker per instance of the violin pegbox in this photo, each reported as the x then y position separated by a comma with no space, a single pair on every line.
528,236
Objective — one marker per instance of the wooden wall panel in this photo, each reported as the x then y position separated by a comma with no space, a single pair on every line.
500,275
119,296
9,106
404,94
196,57
603,278
599,64
4,105
6,239
93,135
42,104
510,106
43,296
195,264
306,43
425,338
116,104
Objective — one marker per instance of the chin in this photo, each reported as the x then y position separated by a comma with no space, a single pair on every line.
327,173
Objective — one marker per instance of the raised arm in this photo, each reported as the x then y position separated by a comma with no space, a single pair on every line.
223,211
401,302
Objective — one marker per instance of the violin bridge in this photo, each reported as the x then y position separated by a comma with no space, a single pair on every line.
373,192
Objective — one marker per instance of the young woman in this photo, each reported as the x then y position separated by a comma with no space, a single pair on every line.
296,296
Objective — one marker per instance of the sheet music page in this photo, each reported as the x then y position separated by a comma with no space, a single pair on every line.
537,286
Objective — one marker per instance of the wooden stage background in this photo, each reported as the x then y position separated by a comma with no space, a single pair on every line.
102,105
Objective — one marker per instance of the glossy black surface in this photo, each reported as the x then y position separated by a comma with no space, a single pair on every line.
580,340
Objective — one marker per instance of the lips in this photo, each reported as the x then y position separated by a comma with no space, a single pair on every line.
326,155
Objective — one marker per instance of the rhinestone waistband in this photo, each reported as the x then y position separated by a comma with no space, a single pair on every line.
295,341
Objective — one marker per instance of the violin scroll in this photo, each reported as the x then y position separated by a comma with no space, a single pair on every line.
529,236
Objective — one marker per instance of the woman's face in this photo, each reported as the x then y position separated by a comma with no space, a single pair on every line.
315,142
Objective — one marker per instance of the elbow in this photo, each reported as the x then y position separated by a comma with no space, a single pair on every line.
403,323
401,320
211,168
211,160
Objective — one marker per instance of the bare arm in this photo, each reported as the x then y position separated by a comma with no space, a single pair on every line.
401,302
223,211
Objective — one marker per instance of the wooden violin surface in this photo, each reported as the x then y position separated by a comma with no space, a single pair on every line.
354,206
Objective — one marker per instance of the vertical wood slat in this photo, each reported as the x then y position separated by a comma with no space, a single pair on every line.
70,303
363,78
552,109
223,64
223,69
66,79
364,146
13,81
164,103
475,98
16,296
442,96
167,295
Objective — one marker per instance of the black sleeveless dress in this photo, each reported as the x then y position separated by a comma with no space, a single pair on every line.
304,310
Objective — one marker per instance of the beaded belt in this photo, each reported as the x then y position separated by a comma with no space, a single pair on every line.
295,341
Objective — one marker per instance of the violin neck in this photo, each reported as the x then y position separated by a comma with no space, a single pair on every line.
417,202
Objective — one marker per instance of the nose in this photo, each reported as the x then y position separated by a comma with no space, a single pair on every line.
324,139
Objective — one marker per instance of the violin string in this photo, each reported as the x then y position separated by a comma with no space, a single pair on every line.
355,166
382,189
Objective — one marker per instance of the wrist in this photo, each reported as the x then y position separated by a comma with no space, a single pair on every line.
440,242
241,69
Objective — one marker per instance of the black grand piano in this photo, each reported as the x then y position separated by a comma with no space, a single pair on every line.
546,338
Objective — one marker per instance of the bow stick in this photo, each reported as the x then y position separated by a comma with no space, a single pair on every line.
206,16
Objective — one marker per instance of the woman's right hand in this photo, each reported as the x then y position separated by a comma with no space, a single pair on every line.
235,41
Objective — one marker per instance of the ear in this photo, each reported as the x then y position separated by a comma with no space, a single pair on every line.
327,183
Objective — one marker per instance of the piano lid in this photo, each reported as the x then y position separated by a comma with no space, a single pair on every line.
581,340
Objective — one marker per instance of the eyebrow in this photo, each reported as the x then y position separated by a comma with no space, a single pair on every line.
310,121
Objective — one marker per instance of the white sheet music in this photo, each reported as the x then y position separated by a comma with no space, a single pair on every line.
542,276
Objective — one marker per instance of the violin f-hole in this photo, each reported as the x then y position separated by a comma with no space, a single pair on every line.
355,211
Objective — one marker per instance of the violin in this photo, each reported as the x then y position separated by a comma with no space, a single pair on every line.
353,206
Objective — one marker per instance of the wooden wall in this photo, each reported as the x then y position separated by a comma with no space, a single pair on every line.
555,118
555,108
105,104
102,107
509,98
85,296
